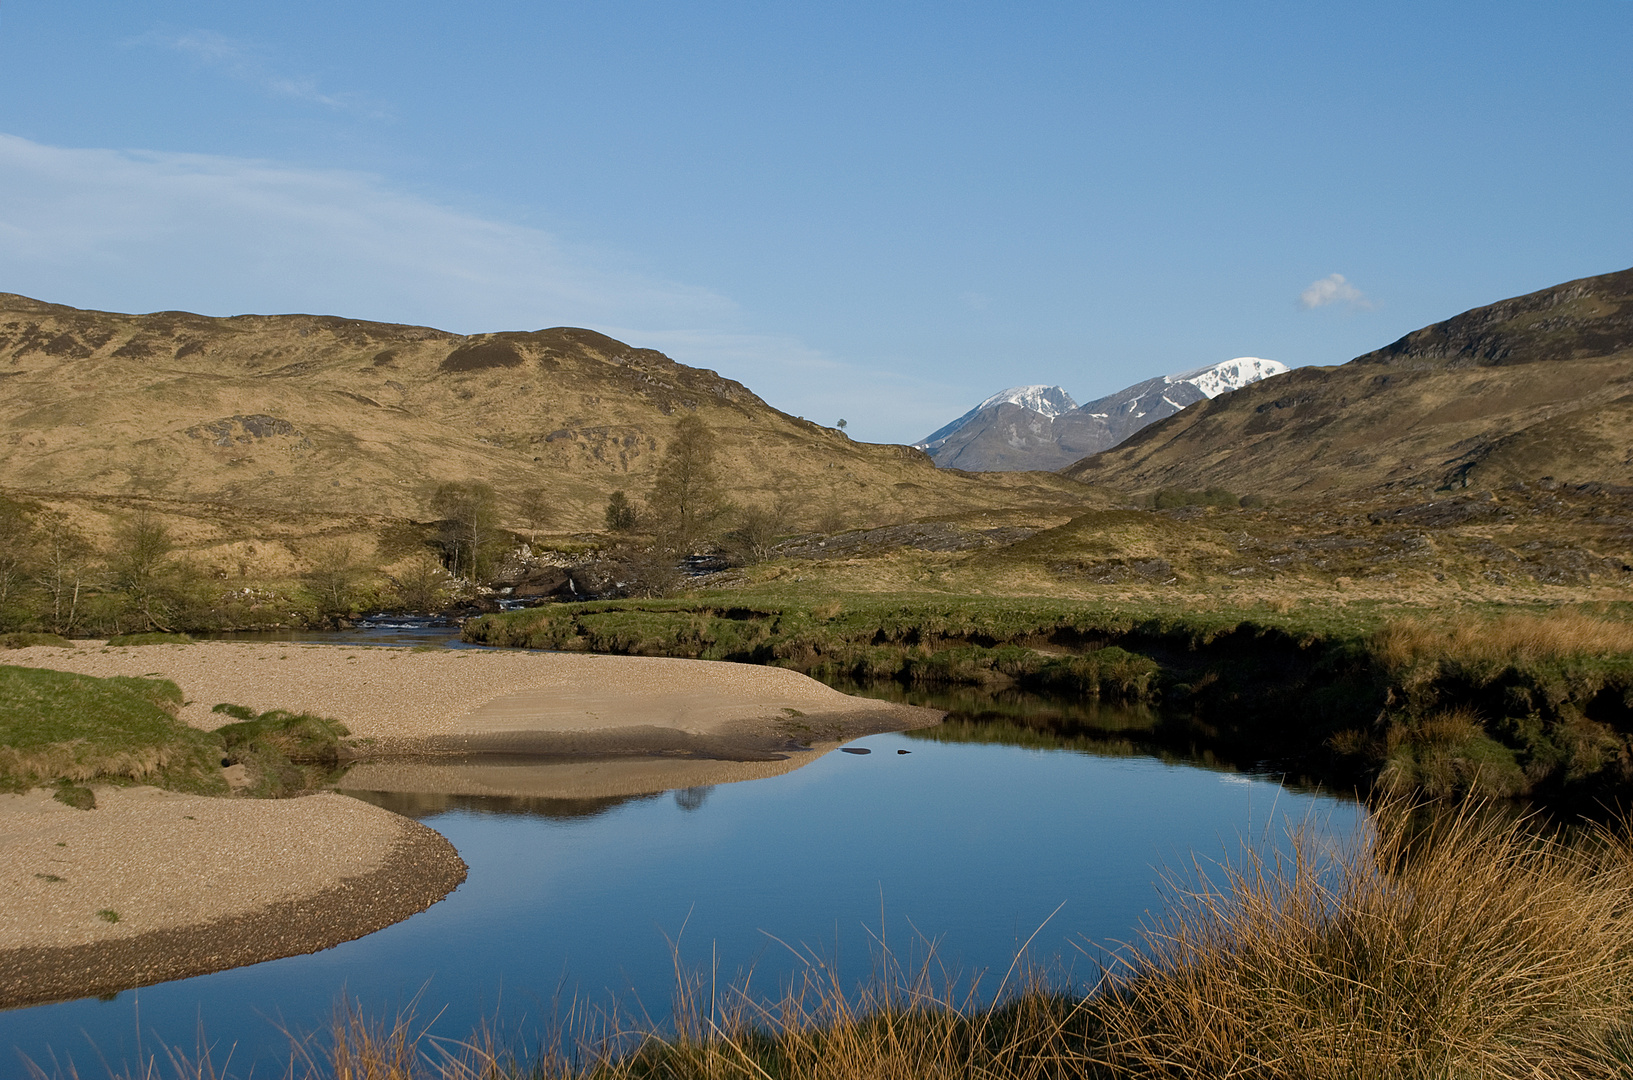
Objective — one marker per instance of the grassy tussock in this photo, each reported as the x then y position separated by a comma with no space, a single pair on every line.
283,753
55,725
1472,949
1467,945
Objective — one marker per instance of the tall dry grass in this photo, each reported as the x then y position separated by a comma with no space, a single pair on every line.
1462,945
1511,639
1470,948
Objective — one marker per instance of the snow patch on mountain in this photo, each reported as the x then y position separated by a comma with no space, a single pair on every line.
1051,401
1216,379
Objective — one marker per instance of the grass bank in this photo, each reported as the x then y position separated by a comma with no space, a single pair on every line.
1496,701
1466,944
67,730
56,726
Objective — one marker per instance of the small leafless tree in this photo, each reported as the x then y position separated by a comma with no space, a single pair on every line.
536,507
333,576
63,570
470,513
139,563
422,584
757,530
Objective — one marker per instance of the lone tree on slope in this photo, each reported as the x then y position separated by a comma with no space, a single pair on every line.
686,499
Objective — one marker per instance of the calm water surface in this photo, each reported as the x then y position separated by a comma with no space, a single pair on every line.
972,843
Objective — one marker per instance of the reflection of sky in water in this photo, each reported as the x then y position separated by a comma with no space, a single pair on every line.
974,845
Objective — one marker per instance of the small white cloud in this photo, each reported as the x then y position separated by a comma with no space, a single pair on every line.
1332,289
246,63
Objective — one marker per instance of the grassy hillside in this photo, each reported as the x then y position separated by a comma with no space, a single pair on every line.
1539,386
292,415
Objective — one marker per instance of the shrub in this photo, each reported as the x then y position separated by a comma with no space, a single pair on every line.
26,641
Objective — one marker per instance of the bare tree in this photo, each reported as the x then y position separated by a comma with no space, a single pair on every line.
63,570
333,576
139,562
422,584
536,508
757,530
686,499
470,513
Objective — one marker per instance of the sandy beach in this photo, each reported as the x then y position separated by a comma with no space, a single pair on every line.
201,884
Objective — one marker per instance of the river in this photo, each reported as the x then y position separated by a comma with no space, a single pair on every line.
1019,813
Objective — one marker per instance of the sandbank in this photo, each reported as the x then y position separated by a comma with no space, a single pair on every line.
153,885
468,701
203,884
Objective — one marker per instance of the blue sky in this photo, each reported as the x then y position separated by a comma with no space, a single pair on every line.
884,212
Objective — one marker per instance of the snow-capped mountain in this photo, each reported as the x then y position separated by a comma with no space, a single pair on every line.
1216,379
1047,401
1040,427
1051,401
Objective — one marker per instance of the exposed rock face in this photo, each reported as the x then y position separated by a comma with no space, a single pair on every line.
1531,388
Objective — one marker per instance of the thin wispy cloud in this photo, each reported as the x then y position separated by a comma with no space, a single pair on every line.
1332,289
225,235
142,231
249,64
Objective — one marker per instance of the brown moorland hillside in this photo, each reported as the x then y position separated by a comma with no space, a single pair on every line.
1537,387
323,416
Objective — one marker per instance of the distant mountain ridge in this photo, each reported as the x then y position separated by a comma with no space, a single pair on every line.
1533,389
1041,427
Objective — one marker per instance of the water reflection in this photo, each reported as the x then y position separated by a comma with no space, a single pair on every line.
421,804
972,843
1041,721
692,799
